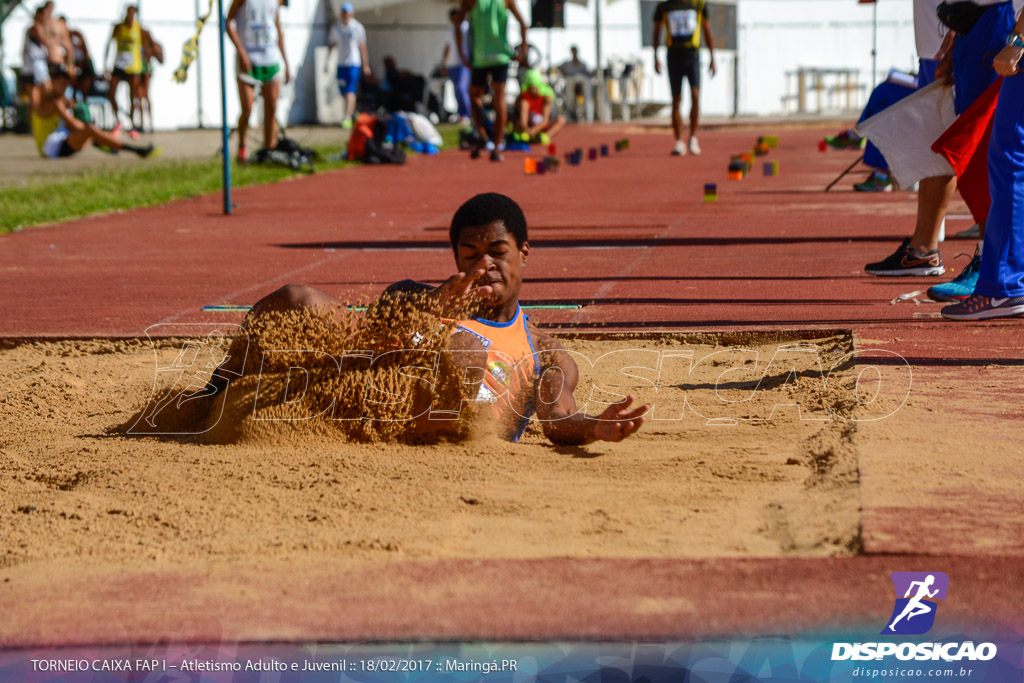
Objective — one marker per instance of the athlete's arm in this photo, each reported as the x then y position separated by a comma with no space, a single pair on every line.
280,46
563,422
656,38
65,114
330,49
910,588
523,45
106,52
466,7
944,69
366,57
1006,63
243,58
710,39
81,39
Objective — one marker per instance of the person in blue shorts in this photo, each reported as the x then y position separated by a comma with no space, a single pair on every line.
349,37
999,290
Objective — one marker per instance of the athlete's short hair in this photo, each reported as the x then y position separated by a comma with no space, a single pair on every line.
487,208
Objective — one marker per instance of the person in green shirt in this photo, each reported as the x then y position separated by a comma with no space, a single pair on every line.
489,59
536,115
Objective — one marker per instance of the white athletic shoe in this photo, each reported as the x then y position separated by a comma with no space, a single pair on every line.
694,147
679,150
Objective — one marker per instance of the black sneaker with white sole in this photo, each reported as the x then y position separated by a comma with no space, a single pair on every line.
905,261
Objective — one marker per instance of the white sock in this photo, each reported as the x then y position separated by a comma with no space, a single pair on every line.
981,245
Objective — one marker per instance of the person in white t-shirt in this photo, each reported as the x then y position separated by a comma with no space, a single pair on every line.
254,26
349,37
451,63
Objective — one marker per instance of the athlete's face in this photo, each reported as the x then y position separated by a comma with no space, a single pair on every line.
493,249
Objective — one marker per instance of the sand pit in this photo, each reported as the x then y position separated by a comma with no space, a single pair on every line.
76,488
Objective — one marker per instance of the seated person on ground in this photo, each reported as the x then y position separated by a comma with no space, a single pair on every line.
504,358
536,117
59,133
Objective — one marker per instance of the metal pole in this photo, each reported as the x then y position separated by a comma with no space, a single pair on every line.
736,85
874,43
602,84
225,152
3,17
199,75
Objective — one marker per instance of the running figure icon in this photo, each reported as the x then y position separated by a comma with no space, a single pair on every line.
916,606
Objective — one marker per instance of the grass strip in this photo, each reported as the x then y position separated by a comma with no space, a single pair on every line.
104,190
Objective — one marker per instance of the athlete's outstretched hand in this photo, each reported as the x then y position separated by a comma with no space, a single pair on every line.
618,421
460,290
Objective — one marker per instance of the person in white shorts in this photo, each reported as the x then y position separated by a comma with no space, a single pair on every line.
349,36
257,36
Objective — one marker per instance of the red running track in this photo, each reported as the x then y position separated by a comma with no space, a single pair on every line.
629,236
631,239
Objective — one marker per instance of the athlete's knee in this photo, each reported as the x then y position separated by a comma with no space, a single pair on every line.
291,296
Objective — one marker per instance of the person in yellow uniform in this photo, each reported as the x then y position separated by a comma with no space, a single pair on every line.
127,35
62,129
685,23
499,349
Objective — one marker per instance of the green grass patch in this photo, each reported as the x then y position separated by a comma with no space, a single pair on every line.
102,190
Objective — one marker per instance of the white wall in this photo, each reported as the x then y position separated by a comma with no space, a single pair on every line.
776,36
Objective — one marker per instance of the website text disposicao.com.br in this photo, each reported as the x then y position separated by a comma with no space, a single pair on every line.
908,673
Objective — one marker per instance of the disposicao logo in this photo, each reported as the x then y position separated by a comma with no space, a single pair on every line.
914,612
917,600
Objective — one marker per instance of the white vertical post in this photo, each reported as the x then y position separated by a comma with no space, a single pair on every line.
602,84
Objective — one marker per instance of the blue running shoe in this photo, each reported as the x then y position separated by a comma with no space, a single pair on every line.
960,287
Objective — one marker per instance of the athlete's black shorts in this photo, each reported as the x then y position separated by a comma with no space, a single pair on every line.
496,74
683,63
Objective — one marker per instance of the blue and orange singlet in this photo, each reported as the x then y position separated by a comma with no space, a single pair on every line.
509,384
